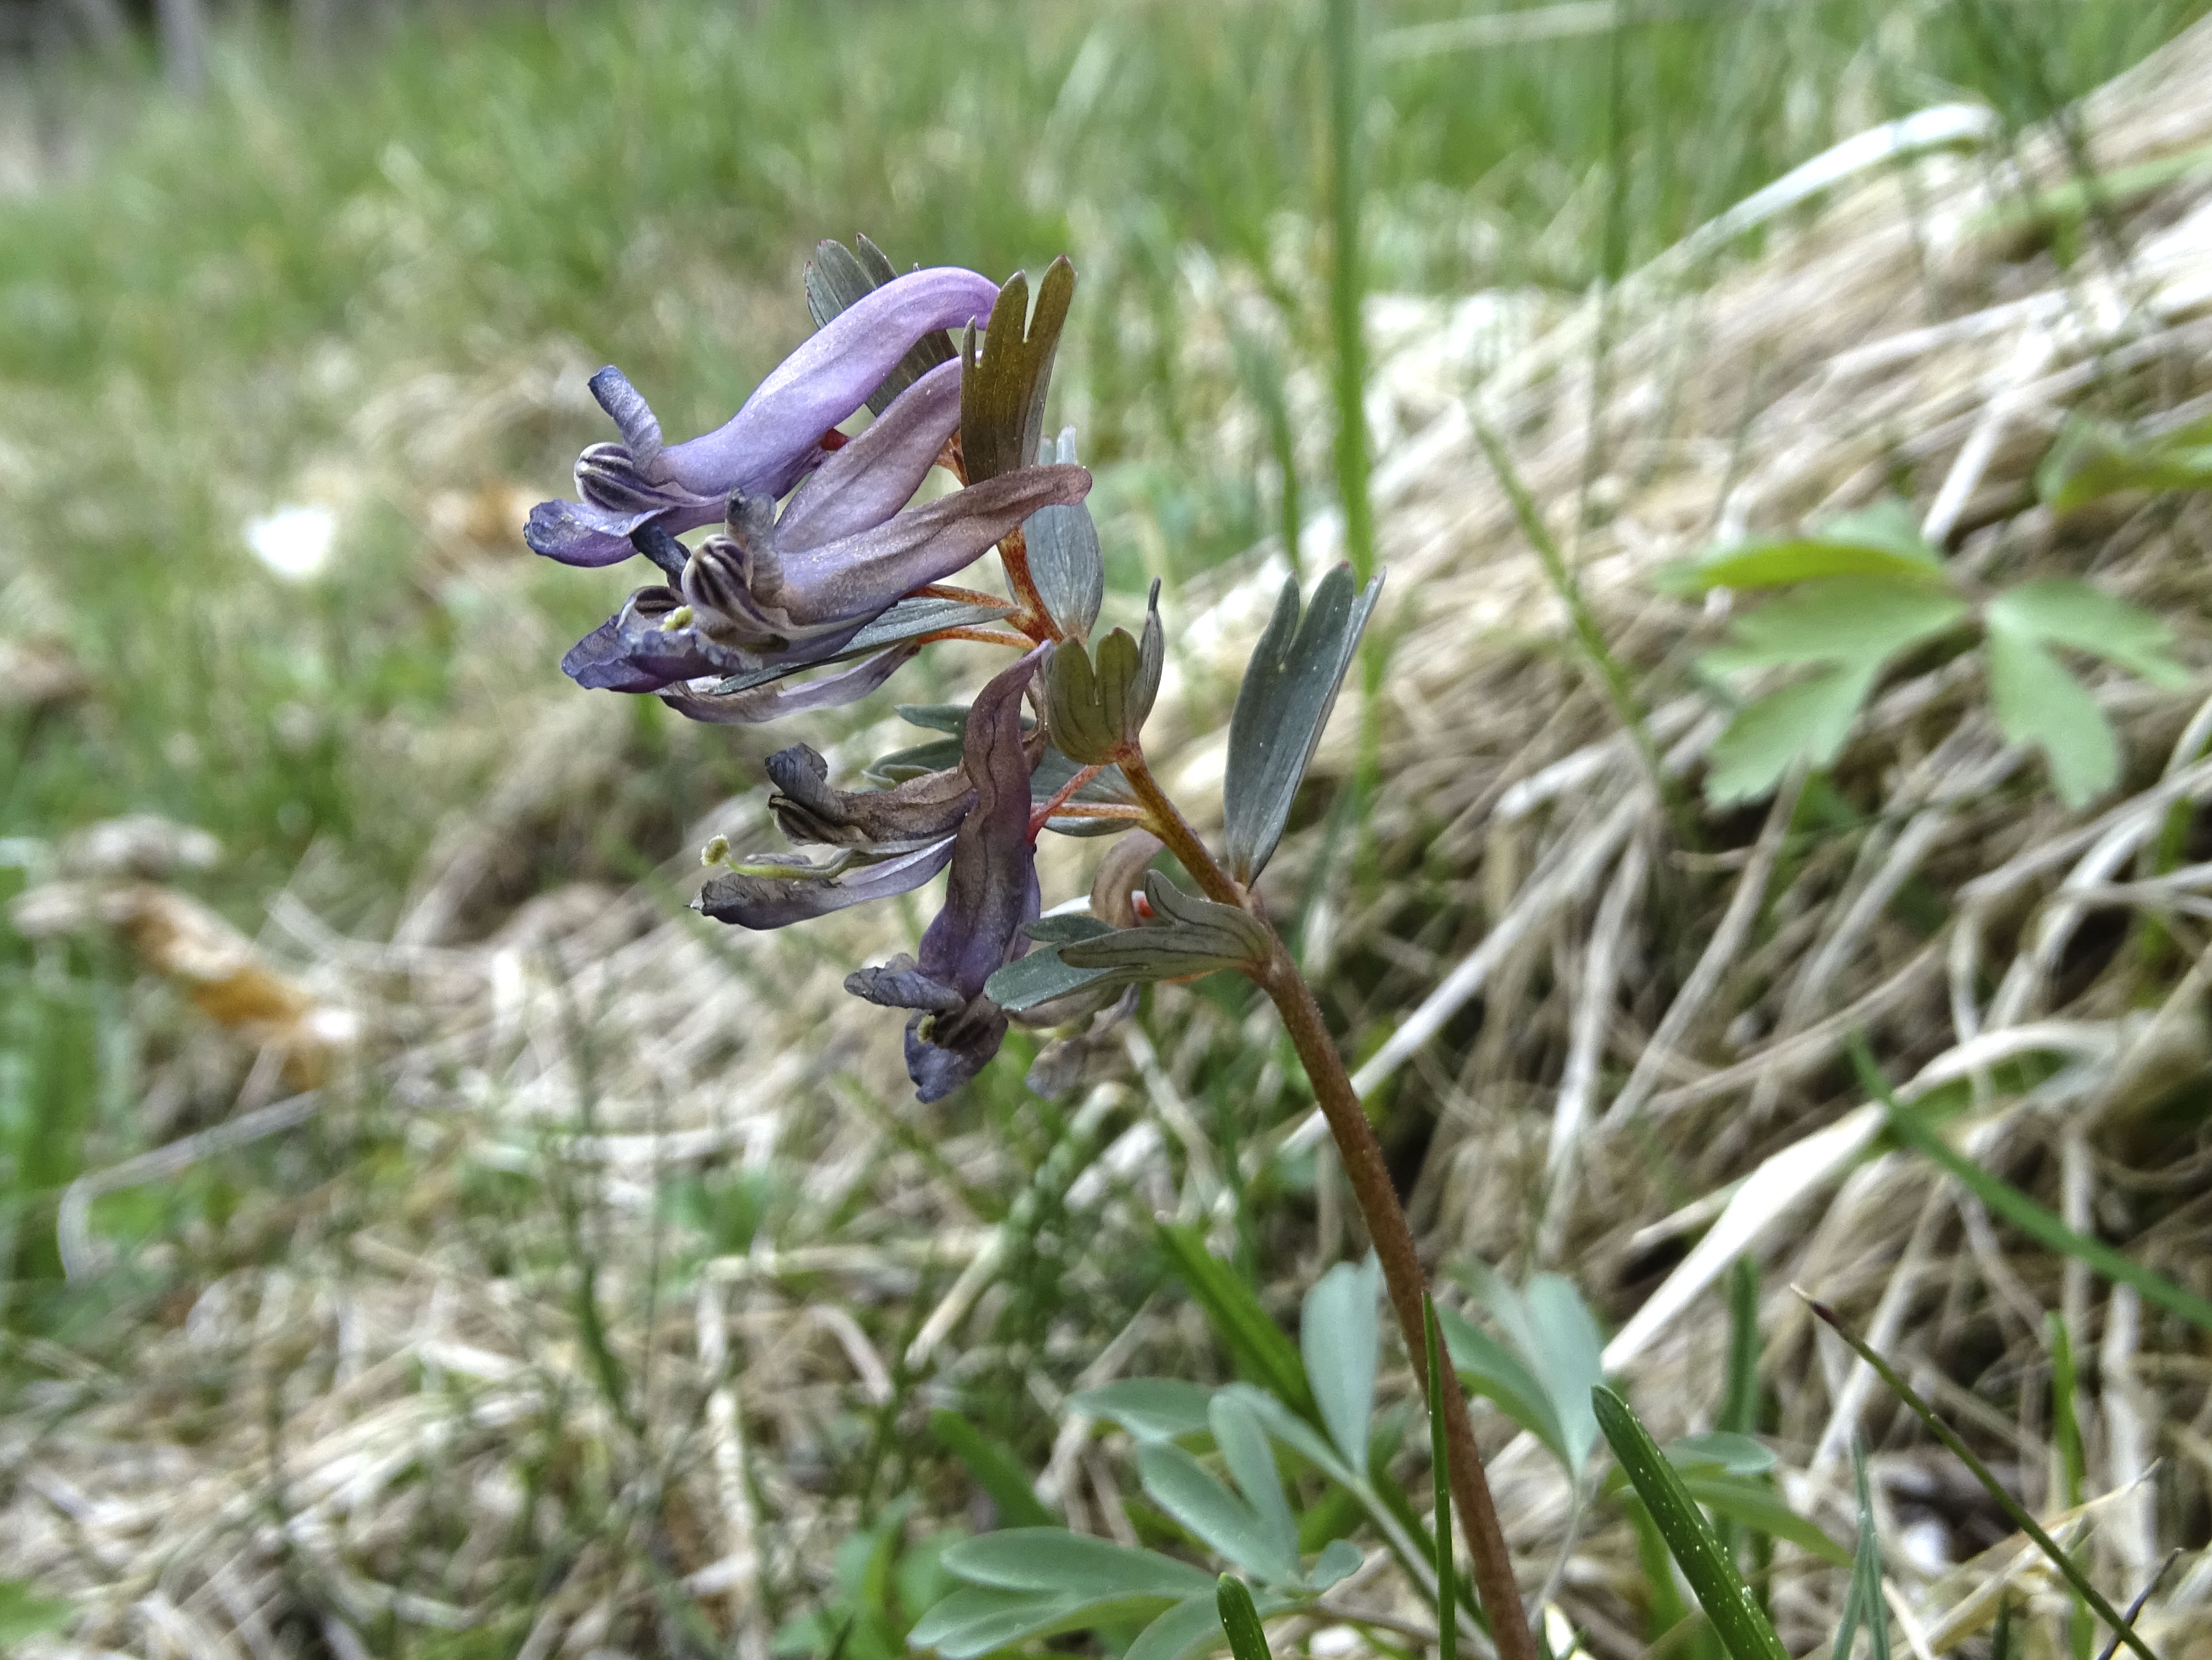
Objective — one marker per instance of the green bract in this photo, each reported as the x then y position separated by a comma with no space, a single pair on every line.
1065,563
1289,687
1002,389
1096,712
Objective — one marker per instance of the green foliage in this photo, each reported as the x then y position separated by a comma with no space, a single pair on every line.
996,1470
1866,589
1240,1620
1862,1603
1290,686
2093,460
1190,936
1743,1628
1542,1375
880,1585
25,1613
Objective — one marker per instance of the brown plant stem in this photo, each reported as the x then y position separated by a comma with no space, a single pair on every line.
1402,1275
1387,1227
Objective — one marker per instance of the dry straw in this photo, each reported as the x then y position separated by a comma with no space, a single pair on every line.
1657,1083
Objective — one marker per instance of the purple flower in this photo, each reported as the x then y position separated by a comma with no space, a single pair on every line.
990,896
765,449
795,589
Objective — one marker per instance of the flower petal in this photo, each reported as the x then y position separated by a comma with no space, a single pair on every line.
634,651
924,809
877,474
991,890
862,575
767,446
578,533
758,704
775,902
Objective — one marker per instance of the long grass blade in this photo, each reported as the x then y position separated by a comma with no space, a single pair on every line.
2022,1212
1745,1632
1964,1454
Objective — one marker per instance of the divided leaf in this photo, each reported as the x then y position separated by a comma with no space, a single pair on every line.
1289,687
1065,563
2062,611
1340,1339
1217,1518
1490,1370
1810,717
837,277
1073,1564
1194,936
1883,540
2037,703
1844,619
1003,385
1150,1408
1243,1443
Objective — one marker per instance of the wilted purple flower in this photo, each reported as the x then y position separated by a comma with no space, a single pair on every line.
765,449
991,894
795,589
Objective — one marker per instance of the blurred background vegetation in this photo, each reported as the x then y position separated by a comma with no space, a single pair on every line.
363,262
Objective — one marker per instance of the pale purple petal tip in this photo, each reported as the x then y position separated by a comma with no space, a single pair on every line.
768,445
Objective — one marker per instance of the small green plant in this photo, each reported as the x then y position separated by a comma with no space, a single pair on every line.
1867,589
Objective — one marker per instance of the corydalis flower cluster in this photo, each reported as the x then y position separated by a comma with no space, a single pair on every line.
820,556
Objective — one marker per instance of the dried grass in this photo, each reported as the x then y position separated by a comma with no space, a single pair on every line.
334,1424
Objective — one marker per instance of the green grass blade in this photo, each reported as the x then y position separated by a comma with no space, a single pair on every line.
1347,291
1744,1630
1258,1347
1247,1638
2073,1462
1440,1474
1964,1454
2023,1212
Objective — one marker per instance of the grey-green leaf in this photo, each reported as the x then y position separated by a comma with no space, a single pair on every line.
2037,703
1340,1560
1561,1339
2093,459
1038,977
1150,1408
1194,936
1243,1443
1495,1372
1191,1627
1054,1559
1189,1493
1065,563
1339,1338
975,1620
1289,687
